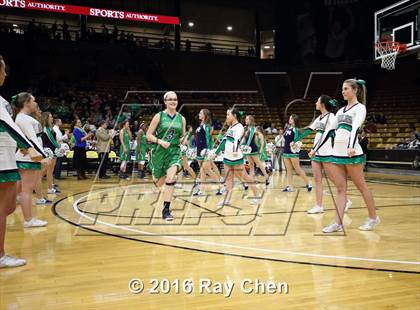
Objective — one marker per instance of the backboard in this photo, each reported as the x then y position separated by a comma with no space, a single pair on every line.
398,22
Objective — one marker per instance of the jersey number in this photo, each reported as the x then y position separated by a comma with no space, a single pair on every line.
170,134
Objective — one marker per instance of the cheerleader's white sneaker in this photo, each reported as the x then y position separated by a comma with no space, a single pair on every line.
11,261
333,227
315,210
369,224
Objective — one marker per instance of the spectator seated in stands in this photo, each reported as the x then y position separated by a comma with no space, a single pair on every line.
415,139
376,118
415,134
271,129
217,125
413,142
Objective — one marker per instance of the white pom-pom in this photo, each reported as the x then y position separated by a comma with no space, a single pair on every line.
184,148
191,153
48,152
204,152
296,147
211,155
246,149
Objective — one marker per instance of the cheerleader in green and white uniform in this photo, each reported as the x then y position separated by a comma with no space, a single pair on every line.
204,143
10,137
233,157
187,141
49,141
29,170
255,140
290,157
347,155
322,149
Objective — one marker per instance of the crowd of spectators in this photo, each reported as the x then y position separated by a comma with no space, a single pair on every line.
34,31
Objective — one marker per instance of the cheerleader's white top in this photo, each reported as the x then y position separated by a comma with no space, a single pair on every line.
349,122
10,137
29,127
325,127
231,144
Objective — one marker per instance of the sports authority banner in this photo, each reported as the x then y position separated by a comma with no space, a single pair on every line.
88,11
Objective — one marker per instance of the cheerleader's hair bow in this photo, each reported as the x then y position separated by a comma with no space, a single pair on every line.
361,82
333,102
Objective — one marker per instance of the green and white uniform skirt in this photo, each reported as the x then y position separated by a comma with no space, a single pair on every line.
290,155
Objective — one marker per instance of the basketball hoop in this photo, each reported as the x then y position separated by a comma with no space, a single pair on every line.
388,50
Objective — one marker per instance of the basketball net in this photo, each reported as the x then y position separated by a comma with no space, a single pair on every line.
388,51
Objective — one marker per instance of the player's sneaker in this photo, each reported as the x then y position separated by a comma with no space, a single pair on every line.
166,215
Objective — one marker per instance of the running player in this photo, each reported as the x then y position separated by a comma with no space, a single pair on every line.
125,137
141,150
165,131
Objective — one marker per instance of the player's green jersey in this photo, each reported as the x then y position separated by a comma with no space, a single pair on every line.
170,128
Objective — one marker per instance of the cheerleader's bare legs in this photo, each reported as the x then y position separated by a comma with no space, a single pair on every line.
187,167
7,207
239,172
293,163
27,184
255,160
206,169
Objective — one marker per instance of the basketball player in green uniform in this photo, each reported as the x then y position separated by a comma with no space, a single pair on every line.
165,132
125,137
141,150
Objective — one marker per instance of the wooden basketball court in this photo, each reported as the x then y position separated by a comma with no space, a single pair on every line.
101,235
